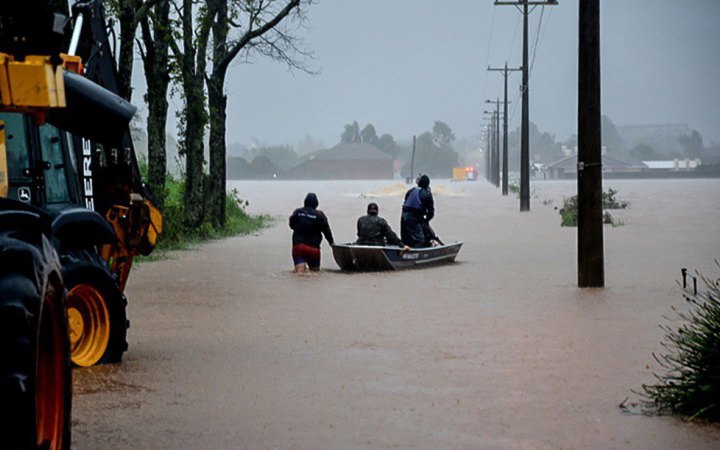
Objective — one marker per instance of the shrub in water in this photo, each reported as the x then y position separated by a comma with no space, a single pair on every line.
569,211
691,384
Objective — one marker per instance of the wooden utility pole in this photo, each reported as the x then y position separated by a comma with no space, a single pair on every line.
506,72
490,146
525,127
496,141
494,145
591,270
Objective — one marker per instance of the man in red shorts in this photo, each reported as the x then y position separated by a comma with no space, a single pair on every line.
309,224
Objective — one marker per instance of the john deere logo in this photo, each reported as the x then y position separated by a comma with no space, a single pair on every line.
23,194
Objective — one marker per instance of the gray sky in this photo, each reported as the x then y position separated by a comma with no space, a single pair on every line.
403,64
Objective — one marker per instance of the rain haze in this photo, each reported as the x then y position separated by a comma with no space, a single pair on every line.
500,349
402,65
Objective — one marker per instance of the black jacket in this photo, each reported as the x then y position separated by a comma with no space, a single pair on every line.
307,225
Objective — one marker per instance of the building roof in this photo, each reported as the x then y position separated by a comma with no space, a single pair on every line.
353,151
607,161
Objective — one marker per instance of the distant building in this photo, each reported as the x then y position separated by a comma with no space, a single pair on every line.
674,165
567,167
615,168
345,161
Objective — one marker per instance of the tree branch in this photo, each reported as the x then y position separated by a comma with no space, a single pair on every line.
251,33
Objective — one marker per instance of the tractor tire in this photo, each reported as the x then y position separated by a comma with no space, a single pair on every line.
35,377
96,310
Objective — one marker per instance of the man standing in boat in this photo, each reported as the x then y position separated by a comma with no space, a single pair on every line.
309,224
417,212
374,230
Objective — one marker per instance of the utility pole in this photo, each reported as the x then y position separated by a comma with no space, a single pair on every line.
591,270
496,142
525,127
505,126
495,145
490,146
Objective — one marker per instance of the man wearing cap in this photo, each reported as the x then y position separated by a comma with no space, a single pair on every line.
417,212
374,230
309,224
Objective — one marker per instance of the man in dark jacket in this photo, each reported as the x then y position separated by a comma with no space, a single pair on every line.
417,212
374,230
309,224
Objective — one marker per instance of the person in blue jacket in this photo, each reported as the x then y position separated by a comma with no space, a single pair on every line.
417,212
309,224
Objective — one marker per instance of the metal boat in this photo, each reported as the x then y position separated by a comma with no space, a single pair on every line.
371,258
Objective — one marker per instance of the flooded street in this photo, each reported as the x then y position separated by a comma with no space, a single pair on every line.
230,349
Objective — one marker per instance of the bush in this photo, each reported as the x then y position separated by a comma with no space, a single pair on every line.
569,211
610,202
691,384
175,236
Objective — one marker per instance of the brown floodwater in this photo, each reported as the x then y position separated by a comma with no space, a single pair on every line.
501,350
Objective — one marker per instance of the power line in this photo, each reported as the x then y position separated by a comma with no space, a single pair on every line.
524,134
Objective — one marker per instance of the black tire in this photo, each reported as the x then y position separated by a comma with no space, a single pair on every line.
84,271
35,377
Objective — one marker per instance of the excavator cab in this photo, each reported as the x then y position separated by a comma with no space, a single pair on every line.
41,163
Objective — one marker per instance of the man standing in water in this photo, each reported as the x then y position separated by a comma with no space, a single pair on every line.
417,211
374,230
309,224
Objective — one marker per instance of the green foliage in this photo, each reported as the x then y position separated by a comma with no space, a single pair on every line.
431,159
543,147
175,236
387,144
610,136
610,202
690,385
369,135
644,152
569,211
351,133
514,187
443,135
692,144
282,156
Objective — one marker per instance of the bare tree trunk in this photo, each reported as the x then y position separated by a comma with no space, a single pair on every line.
193,63
217,102
155,60
127,13
264,18
217,191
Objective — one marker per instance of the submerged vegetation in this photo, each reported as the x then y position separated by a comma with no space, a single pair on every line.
690,387
569,211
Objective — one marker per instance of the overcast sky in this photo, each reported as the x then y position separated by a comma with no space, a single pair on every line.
403,64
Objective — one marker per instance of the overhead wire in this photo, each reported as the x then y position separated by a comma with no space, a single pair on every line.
487,54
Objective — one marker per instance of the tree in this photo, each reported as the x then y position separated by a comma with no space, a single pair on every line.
129,14
387,144
369,135
442,135
692,144
610,136
262,35
190,62
282,156
155,56
644,152
309,144
351,133
432,159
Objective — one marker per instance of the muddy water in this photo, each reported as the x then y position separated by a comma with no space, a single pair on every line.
229,349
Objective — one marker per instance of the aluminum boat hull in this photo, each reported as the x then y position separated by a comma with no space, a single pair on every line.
372,258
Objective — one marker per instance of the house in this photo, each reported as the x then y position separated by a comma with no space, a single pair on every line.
345,161
567,167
